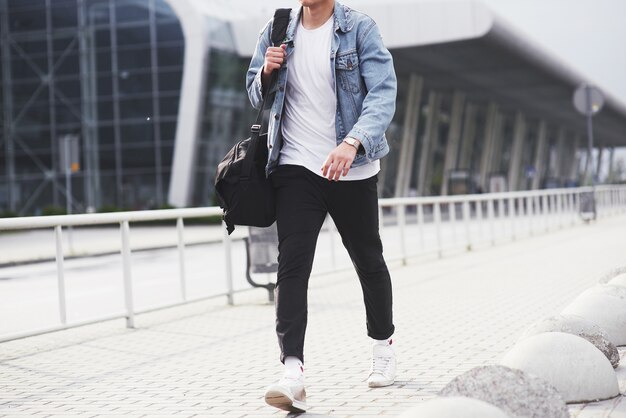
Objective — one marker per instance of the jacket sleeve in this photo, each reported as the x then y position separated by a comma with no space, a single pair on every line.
379,105
253,77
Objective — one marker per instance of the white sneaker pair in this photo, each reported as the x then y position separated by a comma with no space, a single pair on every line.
289,393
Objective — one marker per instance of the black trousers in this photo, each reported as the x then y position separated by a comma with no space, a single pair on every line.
303,200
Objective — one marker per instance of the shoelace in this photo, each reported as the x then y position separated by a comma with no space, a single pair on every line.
380,364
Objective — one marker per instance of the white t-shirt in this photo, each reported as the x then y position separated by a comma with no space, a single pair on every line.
308,126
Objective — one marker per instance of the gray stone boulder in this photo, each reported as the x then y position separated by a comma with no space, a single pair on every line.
574,366
513,391
577,325
604,305
454,407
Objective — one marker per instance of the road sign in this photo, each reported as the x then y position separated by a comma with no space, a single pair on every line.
588,100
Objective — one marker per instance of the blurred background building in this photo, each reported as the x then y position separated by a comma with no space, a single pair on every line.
154,90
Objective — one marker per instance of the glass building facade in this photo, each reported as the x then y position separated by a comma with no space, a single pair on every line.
108,72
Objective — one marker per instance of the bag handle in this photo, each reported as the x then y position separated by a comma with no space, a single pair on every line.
279,30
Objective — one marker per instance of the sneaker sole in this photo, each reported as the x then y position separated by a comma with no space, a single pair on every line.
380,384
281,400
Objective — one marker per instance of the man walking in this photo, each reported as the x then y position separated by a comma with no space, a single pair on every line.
333,100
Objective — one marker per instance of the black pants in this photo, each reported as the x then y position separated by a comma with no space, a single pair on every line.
303,200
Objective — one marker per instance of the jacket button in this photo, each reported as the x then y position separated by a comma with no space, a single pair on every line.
270,147
276,117
281,88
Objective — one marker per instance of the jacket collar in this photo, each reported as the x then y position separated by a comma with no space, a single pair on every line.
342,17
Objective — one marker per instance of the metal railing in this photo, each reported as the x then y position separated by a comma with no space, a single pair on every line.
463,218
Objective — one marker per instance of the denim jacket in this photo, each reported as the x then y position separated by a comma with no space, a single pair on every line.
365,83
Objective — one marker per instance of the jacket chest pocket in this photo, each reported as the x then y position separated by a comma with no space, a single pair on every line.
347,70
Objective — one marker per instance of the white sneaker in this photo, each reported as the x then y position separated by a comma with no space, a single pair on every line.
288,394
383,371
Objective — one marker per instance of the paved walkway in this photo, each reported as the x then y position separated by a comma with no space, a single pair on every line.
210,360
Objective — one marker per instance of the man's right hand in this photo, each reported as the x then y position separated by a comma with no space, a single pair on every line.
274,58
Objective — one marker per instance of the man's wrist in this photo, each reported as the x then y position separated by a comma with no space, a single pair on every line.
353,142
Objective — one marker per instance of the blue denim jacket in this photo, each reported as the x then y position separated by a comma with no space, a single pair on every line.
365,83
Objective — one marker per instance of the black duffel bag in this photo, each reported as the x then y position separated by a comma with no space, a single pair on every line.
241,185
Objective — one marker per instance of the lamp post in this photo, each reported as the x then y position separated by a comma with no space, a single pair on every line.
588,100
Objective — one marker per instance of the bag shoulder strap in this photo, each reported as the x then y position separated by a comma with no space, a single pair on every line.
277,34
279,26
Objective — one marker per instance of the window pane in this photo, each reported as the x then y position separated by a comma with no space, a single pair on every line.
131,83
106,138
105,110
27,20
64,16
138,133
141,157
168,32
170,80
131,12
169,105
134,108
133,35
133,59
170,56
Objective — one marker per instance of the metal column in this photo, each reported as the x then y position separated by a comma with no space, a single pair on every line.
517,151
469,133
574,172
119,187
428,144
409,135
599,163
496,149
540,154
156,110
561,156
488,144
611,175
88,71
7,86
454,138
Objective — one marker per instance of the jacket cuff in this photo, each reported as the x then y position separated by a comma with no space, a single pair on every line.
364,139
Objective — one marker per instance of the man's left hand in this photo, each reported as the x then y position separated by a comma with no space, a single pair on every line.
338,162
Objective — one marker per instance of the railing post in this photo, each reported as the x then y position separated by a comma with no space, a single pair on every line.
491,216
128,283
479,217
530,213
545,211
180,228
437,210
60,274
466,222
501,215
452,217
560,208
512,216
422,226
229,265
401,227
